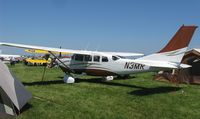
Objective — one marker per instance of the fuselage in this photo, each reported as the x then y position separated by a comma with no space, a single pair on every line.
104,65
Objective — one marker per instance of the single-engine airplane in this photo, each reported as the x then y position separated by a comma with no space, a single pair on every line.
109,64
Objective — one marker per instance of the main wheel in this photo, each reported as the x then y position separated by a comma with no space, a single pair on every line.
68,79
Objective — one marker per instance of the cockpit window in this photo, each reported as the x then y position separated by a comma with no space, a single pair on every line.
115,58
96,58
79,57
104,59
87,58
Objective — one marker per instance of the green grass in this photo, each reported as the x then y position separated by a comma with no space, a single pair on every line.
139,97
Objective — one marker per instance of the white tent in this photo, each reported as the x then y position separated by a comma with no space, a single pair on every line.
12,92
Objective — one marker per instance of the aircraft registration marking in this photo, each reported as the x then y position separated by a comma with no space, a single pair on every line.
132,65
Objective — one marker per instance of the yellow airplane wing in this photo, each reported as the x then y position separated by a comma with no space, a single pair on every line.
42,51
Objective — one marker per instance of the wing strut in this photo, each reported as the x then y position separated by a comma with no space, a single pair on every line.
67,69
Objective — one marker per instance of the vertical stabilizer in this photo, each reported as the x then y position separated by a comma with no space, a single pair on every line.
180,40
174,51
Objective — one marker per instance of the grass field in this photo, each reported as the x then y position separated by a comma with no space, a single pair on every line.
139,97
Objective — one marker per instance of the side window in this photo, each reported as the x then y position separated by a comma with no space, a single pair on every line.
115,58
79,57
104,59
87,58
96,58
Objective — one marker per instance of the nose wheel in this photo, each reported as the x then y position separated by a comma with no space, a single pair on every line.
108,78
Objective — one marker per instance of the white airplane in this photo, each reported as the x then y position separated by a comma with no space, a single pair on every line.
7,57
109,64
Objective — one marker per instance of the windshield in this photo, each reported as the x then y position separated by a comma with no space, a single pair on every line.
115,58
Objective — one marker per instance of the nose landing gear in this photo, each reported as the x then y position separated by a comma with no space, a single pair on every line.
108,78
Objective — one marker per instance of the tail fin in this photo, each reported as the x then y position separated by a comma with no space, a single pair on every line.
180,40
174,51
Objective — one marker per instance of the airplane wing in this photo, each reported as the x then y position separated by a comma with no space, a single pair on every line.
125,54
38,47
67,51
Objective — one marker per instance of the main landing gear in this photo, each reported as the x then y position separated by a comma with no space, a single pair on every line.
68,79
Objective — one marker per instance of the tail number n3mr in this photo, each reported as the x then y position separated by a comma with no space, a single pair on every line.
132,65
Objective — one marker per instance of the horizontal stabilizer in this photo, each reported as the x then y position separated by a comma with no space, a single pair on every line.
185,66
162,64
157,64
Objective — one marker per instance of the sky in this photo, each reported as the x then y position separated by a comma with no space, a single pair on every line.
142,26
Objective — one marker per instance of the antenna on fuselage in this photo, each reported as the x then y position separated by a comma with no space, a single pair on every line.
98,47
87,46
60,54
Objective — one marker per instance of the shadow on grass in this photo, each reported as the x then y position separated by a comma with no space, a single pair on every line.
99,81
156,90
43,82
125,78
143,91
